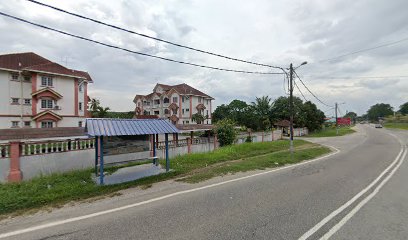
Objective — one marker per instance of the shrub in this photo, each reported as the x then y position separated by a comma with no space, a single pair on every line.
226,132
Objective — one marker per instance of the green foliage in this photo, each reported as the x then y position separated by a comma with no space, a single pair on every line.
404,109
379,110
122,115
352,116
198,118
248,139
331,132
226,132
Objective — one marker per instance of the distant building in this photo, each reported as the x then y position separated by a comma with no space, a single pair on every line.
178,103
38,93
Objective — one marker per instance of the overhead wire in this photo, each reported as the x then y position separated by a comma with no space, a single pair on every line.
150,37
132,51
363,50
299,90
318,99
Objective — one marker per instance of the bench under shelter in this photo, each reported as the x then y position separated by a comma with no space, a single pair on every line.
106,127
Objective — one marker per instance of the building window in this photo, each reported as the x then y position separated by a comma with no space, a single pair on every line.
27,78
187,122
182,110
46,81
80,87
206,112
47,124
156,112
27,101
199,99
15,124
15,101
175,111
157,101
166,111
187,109
207,101
80,106
80,124
182,98
145,103
166,100
27,124
175,99
47,103
14,76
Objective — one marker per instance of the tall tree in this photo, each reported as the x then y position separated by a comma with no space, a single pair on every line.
262,108
404,108
379,110
352,116
221,112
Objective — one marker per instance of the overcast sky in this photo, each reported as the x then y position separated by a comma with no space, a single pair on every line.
273,32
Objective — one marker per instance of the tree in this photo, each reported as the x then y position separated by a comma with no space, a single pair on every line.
262,108
404,108
225,131
379,110
96,110
352,116
197,117
313,117
221,112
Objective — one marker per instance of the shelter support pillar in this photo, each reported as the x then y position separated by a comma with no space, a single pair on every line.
101,173
192,136
215,141
272,135
263,136
166,141
97,154
154,148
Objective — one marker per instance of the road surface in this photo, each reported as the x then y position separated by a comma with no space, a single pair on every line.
358,193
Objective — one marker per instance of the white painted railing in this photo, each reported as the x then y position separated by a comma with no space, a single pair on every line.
47,147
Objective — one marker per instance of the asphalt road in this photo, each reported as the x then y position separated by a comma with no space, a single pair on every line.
306,201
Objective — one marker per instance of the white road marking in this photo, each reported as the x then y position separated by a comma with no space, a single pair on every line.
75,219
343,221
352,200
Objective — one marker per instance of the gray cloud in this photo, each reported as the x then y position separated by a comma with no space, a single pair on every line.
271,32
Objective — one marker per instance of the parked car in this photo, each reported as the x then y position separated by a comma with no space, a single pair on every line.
378,125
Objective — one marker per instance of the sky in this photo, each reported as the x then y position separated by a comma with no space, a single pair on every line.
271,32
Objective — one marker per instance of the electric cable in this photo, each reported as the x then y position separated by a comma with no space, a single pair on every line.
131,51
311,91
150,37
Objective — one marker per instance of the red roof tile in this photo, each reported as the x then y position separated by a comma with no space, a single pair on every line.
33,62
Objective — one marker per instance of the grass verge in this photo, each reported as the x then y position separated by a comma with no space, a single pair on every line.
403,126
58,189
331,132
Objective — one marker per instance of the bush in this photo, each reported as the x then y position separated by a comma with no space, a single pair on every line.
248,139
226,132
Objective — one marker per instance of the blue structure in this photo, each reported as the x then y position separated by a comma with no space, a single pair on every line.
100,127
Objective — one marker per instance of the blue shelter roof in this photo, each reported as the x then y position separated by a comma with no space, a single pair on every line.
127,127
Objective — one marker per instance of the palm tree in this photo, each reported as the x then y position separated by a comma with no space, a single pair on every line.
198,118
262,108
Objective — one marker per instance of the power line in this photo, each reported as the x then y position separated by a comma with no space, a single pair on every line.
300,90
362,77
364,50
150,37
311,91
131,51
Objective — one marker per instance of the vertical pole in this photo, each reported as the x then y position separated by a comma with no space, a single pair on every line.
154,149
101,174
291,108
166,140
337,125
96,155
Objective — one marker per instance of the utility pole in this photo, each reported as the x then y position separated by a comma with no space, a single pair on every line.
337,125
291,108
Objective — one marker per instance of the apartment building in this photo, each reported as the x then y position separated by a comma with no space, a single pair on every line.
38,93
178,103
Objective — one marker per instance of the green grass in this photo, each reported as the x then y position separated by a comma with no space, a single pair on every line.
58,189
331,132
396,125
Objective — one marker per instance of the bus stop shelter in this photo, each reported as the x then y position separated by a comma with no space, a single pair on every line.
105,127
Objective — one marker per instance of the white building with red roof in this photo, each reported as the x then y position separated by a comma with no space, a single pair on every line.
38,93
177,102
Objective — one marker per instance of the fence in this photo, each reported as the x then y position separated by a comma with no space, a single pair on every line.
29,159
